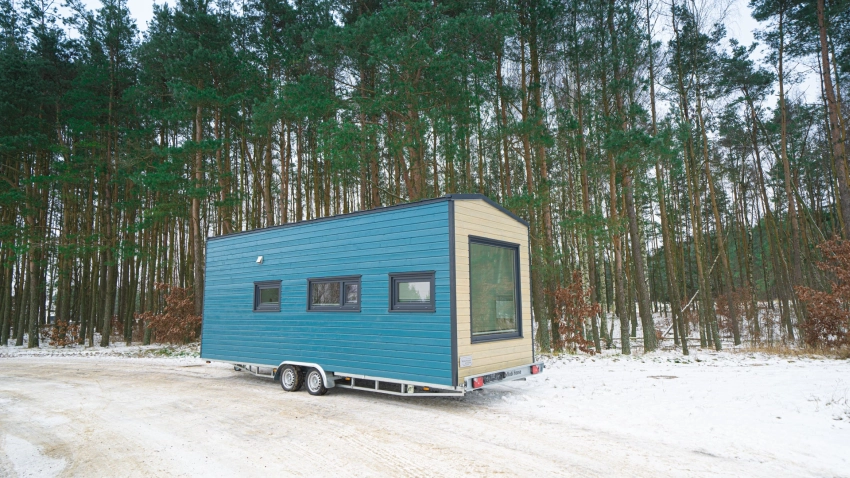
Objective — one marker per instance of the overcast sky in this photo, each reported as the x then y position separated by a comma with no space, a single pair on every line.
141,10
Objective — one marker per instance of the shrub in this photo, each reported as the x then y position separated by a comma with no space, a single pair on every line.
739,299
572,308
827,322
177,324
60,333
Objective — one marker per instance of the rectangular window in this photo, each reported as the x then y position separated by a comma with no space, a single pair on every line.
267,296
325,293
494,290
334,294
412,291
352,292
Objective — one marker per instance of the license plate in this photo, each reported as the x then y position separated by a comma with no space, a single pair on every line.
495,377
499,376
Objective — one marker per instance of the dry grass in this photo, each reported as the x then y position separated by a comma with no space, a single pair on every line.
799,351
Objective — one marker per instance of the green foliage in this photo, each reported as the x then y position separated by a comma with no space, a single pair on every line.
266,111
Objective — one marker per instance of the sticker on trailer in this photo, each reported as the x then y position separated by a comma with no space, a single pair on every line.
466,361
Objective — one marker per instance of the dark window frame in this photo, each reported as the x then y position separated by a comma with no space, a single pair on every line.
342,306
485,241
267,284
420,276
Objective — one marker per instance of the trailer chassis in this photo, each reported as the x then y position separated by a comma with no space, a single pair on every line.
397,387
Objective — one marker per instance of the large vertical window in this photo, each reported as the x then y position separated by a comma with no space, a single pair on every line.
267,296
494,289
334,293
412,292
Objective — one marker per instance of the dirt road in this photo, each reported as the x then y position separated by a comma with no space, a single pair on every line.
134,417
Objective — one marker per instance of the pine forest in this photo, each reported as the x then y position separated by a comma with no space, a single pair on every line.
682,188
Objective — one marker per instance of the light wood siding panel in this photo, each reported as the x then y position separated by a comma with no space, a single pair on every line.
477,218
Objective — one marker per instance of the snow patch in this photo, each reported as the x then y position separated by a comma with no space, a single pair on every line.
711,413
27,460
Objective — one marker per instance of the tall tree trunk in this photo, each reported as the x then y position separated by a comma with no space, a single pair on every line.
154,254
502,120
197,256
619,298
647,323
836,135
776,254
21,302
707,316
590,259
267,181
285,160
543,333
299,146
224,179
550,278
745,256
34,256
718,225
33,296
131,275
6,311
796,261
667,243
670,264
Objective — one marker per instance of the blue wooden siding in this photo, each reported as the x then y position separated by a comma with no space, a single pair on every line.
399,345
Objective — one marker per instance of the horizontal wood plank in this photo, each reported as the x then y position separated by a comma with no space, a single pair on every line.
401,345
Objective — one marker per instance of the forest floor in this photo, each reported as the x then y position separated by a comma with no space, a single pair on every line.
140,411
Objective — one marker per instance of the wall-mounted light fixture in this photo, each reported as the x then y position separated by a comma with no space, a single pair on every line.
259,259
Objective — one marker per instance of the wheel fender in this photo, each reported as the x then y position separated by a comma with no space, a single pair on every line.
326,377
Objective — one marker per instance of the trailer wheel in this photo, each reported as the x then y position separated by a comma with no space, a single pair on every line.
315,383
291,378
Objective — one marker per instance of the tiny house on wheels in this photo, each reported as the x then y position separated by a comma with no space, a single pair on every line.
425,298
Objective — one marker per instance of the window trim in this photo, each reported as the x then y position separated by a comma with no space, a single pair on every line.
342,307
267,284
485,241
422,276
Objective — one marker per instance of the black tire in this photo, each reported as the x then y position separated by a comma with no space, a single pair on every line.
315,382
291,378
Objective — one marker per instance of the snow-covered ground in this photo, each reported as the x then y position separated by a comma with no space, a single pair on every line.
137,411
114,350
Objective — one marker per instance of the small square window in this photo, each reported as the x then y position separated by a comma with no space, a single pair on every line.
333,294
267,296
412,292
